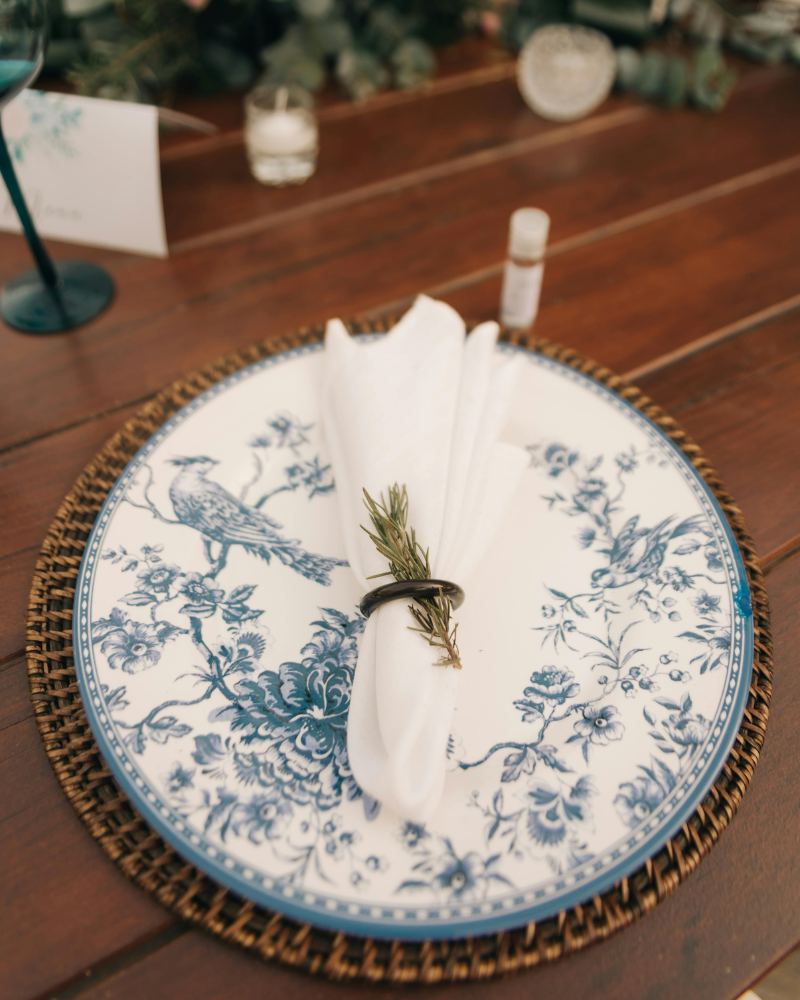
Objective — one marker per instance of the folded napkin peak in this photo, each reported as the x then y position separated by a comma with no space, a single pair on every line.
424,405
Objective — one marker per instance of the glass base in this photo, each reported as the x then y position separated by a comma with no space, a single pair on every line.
83,291
278,171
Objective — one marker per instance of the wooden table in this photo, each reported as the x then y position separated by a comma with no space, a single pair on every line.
674,258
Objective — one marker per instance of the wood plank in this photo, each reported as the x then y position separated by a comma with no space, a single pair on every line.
368,155
751,433
66,907
740,400
776,311
471,62
354,151
649,291
15,702
350,178
33,481
700,381
185,311
749,884
696,381
16,572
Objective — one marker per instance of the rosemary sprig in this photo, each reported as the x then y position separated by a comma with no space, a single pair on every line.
409,561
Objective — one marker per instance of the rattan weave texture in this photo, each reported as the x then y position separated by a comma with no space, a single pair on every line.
152,864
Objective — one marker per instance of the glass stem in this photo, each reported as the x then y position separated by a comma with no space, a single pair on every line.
40,255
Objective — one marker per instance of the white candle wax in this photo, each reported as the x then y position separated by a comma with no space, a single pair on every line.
282,133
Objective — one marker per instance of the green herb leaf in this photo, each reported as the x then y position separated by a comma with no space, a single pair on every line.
409,561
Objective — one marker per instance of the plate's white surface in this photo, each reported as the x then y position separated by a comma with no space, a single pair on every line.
607,643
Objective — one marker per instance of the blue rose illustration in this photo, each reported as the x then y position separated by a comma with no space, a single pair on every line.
687,730
553,685
300,712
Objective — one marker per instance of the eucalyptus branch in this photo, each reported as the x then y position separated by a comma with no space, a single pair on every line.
409,561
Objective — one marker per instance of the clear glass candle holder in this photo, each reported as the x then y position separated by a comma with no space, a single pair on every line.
565,71
280,134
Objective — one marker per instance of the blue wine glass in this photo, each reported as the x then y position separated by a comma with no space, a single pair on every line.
52,296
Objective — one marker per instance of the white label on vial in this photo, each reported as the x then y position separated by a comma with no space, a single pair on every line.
521,287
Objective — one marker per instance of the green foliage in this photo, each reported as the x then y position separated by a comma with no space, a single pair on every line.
144,49
407,559
673,80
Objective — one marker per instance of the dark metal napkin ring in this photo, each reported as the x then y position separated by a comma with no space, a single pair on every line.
415,589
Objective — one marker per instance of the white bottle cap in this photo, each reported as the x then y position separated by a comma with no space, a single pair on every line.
527,234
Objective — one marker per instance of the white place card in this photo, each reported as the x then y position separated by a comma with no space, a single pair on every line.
89,170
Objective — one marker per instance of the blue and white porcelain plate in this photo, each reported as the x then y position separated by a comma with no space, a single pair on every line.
607,643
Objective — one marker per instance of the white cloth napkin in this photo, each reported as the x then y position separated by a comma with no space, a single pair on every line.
423,406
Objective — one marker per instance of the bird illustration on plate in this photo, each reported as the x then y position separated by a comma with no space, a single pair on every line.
224,520
637,553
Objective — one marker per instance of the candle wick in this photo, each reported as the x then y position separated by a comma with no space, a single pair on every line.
281,98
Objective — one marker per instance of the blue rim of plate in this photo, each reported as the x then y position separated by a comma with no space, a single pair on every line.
398,922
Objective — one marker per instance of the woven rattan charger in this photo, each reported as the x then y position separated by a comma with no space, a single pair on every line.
145,858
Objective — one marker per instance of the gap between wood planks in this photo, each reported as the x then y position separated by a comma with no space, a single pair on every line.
350,109
422,175
626,224
436,171
505,70
113,966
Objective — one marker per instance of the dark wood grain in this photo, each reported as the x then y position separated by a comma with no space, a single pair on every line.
72,907
725,365
646,292
717,934
353,152
33,481
452,132
15,702
751,432
197,305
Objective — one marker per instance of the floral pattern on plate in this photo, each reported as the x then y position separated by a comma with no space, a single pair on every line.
219,636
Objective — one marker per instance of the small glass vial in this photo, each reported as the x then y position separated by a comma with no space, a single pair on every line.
522,280
280,134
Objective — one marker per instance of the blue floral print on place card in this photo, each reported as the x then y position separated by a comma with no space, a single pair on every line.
219,636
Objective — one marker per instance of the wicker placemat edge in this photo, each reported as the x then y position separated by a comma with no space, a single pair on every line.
149,862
